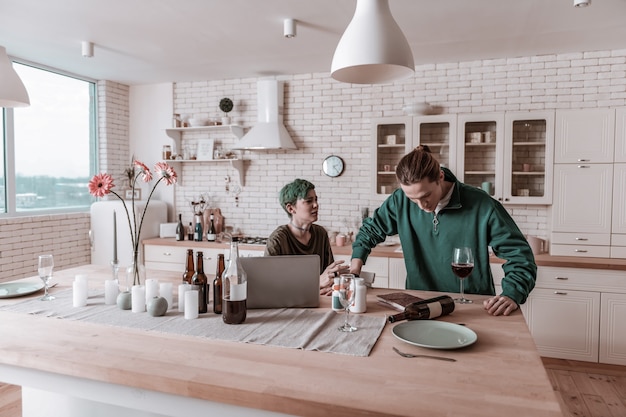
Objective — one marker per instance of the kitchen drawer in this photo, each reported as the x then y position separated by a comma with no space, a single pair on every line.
593,239
581,251
165,254
618,252
618,240
581,279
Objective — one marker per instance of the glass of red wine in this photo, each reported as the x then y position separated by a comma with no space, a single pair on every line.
462,266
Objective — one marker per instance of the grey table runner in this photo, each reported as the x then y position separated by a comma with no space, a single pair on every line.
305,329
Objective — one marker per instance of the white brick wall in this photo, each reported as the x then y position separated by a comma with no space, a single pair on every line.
326,117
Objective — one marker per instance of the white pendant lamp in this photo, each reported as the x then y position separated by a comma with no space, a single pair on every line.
373,49
12,90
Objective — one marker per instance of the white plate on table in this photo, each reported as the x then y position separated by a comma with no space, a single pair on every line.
434,334
19,289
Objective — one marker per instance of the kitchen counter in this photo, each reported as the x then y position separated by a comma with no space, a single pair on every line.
166,374
391,252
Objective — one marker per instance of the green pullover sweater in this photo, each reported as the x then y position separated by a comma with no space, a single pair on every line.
473,219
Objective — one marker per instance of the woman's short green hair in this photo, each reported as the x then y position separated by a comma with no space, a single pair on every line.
290,193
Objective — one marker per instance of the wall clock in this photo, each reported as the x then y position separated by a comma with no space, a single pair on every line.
333,166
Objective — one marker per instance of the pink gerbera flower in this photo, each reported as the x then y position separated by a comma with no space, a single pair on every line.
100,185
163,170
146,175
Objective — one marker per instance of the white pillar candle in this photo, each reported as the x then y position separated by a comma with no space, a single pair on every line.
111,290
165,291
138,299
79,291
152,288
83,279
182,289
191,304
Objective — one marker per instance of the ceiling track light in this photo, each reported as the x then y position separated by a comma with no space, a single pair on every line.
12,90
582,3
87,49
373,49
289,28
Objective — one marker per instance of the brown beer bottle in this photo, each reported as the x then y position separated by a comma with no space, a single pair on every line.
200,282
189,268
217,285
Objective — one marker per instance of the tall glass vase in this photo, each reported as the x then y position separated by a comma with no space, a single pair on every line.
136,272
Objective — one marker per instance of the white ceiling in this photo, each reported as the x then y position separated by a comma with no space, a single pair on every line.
152,41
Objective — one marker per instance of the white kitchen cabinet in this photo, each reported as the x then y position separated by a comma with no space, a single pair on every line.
582,207
584,135
612,335
565,323
620,135
391,140
438,133
528,158
397,273
618,223
375,264
174,258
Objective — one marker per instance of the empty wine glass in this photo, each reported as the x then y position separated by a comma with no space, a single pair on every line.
46,264
346,298
462,266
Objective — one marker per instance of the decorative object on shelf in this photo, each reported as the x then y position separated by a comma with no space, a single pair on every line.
226,105
102,184
204,151
333,166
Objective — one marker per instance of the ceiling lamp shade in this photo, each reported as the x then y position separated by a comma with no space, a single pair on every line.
12,90
373,49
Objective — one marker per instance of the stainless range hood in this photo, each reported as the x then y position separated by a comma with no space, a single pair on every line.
269,131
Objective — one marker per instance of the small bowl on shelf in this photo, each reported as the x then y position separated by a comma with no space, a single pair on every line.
196,122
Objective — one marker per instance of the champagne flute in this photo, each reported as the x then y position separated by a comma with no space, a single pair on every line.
462,266
346,298
46,263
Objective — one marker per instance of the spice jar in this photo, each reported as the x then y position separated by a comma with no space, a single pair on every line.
167,152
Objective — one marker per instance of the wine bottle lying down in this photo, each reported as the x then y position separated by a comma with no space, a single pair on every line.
426,309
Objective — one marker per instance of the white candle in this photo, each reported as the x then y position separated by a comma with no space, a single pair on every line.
152,288
114,238
182,289
78,294
138,298
83,279
111,290
191,304
165,291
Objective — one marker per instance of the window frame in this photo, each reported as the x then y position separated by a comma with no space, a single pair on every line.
9,148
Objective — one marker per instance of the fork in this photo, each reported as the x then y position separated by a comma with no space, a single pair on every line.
410,355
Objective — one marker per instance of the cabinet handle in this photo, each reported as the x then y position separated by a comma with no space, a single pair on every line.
562,278
560,293
584,166
584,160
167,253
581,238
580,250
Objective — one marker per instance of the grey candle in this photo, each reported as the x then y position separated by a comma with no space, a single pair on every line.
114,238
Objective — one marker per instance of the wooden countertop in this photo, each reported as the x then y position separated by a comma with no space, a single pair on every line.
391,252
501,373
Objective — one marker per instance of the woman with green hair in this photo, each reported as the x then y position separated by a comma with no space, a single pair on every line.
300,236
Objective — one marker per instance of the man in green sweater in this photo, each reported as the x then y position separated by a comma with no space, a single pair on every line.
433,213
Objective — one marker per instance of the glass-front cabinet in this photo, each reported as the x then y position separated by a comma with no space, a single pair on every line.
437,132
392,139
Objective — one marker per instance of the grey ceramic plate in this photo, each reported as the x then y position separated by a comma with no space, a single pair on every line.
19,289
435,334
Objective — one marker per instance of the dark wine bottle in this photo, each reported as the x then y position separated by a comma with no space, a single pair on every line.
234,288
180,229
200,282
197,235
217,285
190,232
189,268
210,234
426,309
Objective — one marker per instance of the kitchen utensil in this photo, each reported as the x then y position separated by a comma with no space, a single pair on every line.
411,355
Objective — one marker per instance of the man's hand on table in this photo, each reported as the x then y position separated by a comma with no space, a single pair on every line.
500,305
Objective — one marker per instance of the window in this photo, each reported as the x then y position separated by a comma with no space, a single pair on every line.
49,152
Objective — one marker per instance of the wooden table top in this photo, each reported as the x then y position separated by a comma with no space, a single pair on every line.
501,374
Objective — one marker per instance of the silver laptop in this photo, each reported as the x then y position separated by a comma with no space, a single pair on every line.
285,281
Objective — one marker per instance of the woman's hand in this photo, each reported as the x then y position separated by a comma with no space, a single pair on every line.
327,278
500,305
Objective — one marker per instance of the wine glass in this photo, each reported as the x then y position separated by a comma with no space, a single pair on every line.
346,298
462,266
46,263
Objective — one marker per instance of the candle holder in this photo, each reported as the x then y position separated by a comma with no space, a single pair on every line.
115,268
